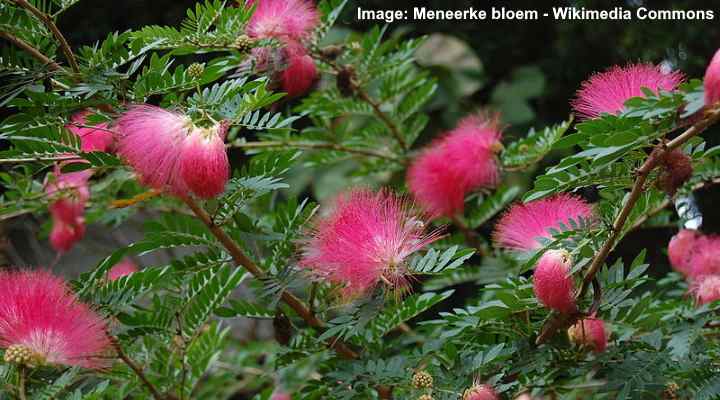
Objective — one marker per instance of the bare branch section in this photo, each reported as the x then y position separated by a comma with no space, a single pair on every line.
50,24
35,53
319,146
563,321
242,260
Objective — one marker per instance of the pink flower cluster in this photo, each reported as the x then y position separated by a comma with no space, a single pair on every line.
697,256
480,392
462,161
363,239
290,22
519,230
69,193
170,153
40,316
608,91
121,269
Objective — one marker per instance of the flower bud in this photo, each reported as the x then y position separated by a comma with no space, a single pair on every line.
422,380
300,75
553,284
195,70
244,43
204,164
590,333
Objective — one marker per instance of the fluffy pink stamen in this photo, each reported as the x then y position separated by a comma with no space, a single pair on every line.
286,20
521,226
552,283
682,249
460,162
480,392
712,80
68,193
38,311
707,289
365,238
169,152
300,74
607,92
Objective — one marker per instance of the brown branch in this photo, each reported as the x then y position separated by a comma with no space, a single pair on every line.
50,24
35,53
136,369
380,114
712,116
242,260
308,145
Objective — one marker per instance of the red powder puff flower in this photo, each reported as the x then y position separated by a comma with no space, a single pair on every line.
300,74
286,20
707,289
682,248
96,138
712,80
608,91
453,166
552,282
42,322
590,333
170,153
123,268
365,238
521,226
69,193
480,392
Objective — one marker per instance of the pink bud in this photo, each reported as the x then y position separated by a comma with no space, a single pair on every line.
123,268
589,332
63,236
300,75
204,164
712,80
480,392
280,396
706,257
96,138
707,290
553,284
681,250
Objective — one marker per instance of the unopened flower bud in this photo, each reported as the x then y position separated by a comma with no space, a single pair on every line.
22,355
422,380
590,333
195,70
244,43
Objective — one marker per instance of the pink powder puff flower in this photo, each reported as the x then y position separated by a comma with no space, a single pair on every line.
480,392
712,80
300,74
607,92
552,282
204,164
170,153
590,333
121,269
707,289
521,226
706,258
682,249
462,161
42,322
286,20
364,239
96,138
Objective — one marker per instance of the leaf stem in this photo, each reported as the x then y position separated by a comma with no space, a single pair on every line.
35,53
50,24
314,145
242,260
135,368
22,378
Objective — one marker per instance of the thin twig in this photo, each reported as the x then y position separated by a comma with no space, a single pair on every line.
35,159
380,114
311,145
636,192
22,378
135,368
50,24
242,260
31,50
